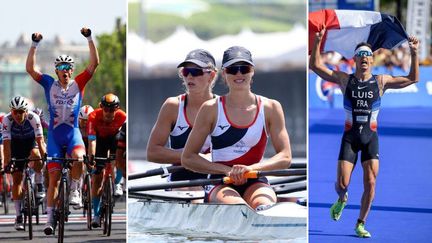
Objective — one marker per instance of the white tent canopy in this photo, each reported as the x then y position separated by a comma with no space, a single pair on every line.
269,50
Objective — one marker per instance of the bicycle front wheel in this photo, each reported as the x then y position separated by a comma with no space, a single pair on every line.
62,210
88,200
29,206
108,190
5,194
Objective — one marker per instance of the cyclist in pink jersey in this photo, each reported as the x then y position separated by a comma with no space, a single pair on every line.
64,97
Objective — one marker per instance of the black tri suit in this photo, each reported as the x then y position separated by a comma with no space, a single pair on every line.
362,101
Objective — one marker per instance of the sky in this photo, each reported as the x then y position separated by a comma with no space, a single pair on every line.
62,17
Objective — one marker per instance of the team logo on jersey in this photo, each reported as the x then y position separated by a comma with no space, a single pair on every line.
240,147
182,127
223,127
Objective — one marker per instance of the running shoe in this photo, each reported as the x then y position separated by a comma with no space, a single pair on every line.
337,207
118,191
96,222
74,198
19,224
361,232
49,228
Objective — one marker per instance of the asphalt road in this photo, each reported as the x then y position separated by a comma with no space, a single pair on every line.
75,230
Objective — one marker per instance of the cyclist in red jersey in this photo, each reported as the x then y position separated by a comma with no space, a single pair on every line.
103,125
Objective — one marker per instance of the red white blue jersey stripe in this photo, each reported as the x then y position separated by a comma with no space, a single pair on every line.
233,144
182,129
64,104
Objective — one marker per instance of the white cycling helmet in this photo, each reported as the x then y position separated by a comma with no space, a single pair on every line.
85,111
19,103
64,59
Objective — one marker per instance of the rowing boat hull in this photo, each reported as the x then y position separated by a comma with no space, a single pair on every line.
283,221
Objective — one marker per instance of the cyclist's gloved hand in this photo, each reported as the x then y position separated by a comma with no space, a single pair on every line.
86,32
36,37
92,160
9,168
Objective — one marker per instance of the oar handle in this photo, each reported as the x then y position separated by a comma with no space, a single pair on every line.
247,175
255,174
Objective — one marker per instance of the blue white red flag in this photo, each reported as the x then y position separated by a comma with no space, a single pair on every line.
347,28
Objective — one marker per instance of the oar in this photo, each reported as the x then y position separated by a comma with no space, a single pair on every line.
289,188
224,180
176,168
167,197
277,181
299,165
157,171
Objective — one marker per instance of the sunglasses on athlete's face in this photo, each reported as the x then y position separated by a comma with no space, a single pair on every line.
243,69
64,67
195,72
16,112
363,54
109,109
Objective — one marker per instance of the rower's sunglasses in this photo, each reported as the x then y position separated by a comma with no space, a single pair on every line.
18,112
233,70
64,67
364,54
110,109
195,72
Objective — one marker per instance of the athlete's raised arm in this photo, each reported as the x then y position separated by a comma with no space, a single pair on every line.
317,65
31,57
390,82
94,55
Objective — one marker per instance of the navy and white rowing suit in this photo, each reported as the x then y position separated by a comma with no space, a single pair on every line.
233,144
362,102
178,137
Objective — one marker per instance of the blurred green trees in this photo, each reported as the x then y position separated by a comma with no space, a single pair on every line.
110,76
222,17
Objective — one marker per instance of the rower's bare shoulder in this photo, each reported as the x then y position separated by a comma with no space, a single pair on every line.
209,105
272,105
170,107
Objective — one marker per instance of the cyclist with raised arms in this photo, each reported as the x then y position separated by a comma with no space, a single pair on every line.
103,125
64,97
22,138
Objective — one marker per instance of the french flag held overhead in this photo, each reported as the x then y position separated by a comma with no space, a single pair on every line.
347,28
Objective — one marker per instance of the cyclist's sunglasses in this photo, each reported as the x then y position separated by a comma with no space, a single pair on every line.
18,111
64,67
364,54
195,72
110,109
236,68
